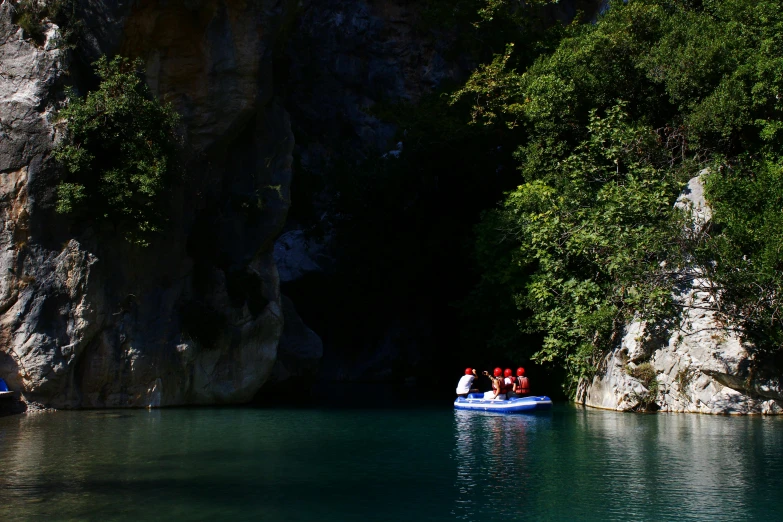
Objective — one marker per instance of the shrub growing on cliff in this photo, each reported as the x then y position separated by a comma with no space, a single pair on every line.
119,152
646,374
31,15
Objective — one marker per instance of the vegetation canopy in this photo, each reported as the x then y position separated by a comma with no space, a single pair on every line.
119,152
610,126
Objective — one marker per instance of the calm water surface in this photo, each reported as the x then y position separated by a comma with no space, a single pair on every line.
378,465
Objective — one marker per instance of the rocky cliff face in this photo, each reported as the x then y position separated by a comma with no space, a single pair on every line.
196,318
701,367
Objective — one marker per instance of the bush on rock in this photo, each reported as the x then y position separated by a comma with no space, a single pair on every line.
119,152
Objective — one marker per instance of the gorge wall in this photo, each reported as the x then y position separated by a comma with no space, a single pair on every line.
195,318
198,317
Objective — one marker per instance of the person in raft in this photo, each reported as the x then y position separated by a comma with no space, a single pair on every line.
498,386
465,383
521,384
508,381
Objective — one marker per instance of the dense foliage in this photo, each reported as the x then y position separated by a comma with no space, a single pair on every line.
610,125
592,240
120,152
747,241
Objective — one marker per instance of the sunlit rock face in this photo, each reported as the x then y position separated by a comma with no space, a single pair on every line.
702,367
195,318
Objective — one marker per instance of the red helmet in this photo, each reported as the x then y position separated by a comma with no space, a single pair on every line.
498,372
507,372
468,371
520,371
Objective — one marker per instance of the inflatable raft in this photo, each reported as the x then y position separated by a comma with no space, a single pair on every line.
476,401
4,392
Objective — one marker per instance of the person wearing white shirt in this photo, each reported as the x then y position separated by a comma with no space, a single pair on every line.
465,383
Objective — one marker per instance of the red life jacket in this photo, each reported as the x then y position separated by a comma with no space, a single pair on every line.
523,385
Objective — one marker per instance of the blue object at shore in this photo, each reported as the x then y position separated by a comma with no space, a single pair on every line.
3,386
476,401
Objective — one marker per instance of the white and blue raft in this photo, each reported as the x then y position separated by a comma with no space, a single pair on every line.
476,401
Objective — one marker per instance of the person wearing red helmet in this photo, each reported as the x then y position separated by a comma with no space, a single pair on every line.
498,387
465,383
508,380
521,384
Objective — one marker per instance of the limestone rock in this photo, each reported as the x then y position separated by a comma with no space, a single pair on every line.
701,368
87,320
28,75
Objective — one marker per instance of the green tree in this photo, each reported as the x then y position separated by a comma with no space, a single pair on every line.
119,152
590,238
743,251
595,241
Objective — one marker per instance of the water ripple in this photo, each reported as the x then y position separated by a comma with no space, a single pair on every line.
409,465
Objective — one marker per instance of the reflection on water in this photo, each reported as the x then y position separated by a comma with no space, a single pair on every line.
597,465
491,454
400,465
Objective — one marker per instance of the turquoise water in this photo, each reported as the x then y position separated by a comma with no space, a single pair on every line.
390,464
